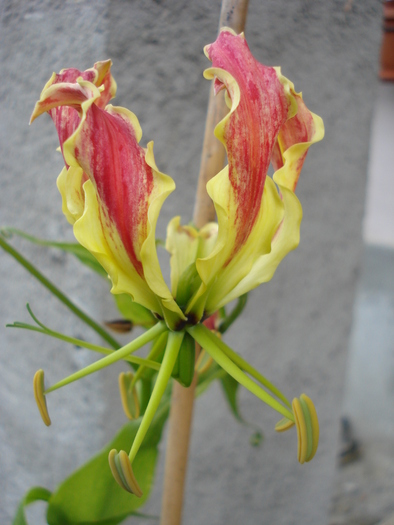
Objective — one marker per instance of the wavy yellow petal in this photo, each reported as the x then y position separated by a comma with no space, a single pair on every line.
257,246
97,233
186,244
70,185
285,240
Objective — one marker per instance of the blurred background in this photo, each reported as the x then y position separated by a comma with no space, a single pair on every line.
323,325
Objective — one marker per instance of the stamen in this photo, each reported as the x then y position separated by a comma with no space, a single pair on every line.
171,353
131,347
247,367
157,348
39,387
207,340
128,395
307,426
123,473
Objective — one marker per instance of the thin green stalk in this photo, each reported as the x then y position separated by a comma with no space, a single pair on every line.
140,341
173,345
60,295
199,334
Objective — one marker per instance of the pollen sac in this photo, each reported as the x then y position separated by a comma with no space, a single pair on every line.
284,424
128,395
307,426
39,388
123,473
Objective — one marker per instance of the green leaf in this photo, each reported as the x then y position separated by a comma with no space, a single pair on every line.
91,495
34,494
129,309
234,314
71,247
136,313
55,290
230,389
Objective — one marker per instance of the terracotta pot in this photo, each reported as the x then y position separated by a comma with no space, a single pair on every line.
387,49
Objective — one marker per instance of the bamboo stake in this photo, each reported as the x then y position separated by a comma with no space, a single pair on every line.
233,14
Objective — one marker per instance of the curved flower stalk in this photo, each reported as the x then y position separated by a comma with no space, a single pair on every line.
112,193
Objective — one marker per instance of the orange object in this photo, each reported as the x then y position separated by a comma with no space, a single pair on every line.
387,49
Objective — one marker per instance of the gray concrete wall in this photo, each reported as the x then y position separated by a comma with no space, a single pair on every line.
296,327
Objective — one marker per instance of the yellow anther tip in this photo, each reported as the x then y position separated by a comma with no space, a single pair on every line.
123,473
38,385
307,426
315,424
128,395
203,362
284,424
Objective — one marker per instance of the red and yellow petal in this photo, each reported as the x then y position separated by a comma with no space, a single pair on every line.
129,191
259,107
258,219
70,185
62,96
112,191
296,135
285,239
248,215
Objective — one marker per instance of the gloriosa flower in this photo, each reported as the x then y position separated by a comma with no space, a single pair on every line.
112,193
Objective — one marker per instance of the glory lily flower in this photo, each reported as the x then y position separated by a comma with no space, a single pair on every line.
112,193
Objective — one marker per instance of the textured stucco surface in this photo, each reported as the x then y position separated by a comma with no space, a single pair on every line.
296,327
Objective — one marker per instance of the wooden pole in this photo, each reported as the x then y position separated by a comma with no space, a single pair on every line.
233,14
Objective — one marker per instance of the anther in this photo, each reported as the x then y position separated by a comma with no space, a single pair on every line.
39,388
128,395
123,473
203,362
307,426
284,424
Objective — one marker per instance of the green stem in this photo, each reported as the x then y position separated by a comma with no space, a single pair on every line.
145,392
248,368
148,336
199,334
234,314
173,345
60,295
158,346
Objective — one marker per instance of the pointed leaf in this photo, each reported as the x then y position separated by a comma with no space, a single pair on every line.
230,389
34,494
70,247
91,495
136,313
